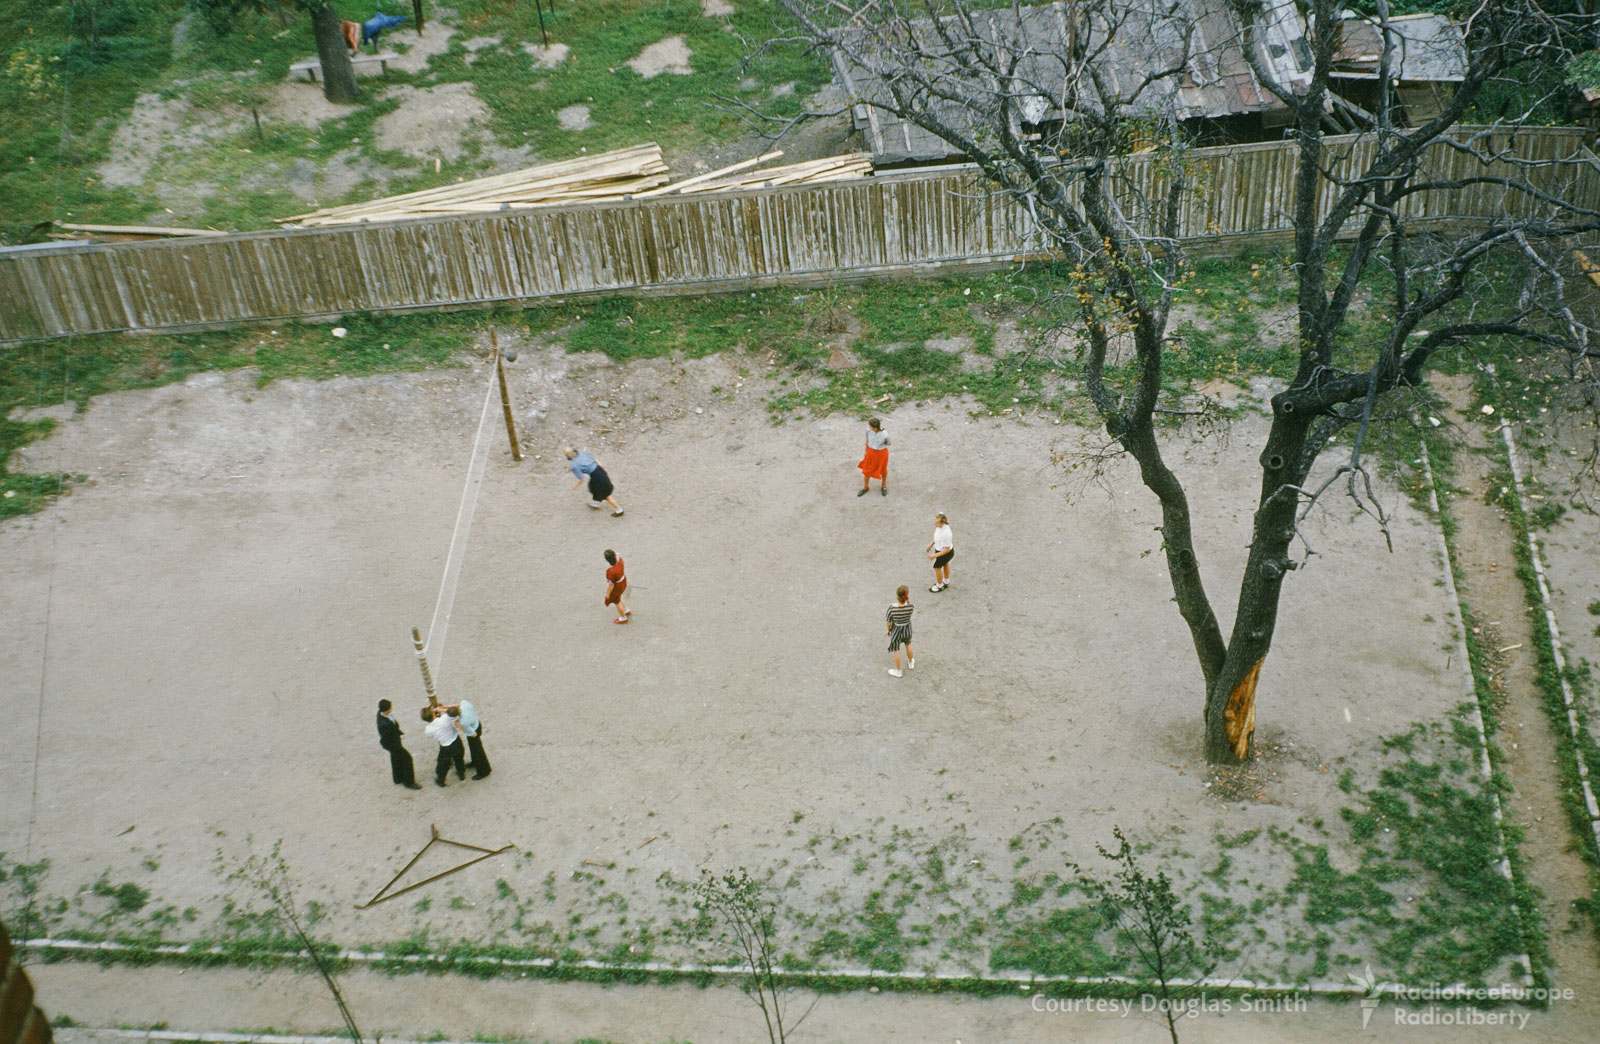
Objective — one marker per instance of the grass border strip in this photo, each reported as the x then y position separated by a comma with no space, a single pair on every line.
1486,765
218,1037
1574,728
1118,985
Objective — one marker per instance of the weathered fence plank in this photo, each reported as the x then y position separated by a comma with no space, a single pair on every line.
911,222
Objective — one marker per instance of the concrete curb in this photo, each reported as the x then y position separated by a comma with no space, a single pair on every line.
1568,698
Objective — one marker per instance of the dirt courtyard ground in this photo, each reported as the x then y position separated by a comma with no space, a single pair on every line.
195,640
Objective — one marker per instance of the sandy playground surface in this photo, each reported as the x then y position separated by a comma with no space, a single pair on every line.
198,636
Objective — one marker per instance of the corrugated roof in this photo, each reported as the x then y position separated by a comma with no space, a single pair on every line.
1428,48
1217,80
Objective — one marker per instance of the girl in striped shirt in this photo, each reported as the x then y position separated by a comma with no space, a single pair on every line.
897,621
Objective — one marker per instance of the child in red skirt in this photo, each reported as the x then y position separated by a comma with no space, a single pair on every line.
616,583
875,460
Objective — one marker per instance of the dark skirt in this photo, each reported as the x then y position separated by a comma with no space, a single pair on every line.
600,486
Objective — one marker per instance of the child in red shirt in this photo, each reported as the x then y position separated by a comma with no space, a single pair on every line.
616,583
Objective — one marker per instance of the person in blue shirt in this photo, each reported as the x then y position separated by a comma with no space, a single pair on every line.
600,487
472,728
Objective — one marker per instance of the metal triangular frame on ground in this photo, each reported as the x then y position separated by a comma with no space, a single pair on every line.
384,894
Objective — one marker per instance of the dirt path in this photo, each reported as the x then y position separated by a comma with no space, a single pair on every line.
455,1008
1489,584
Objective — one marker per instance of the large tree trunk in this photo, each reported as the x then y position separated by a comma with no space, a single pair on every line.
1231,694
1177,541
338,75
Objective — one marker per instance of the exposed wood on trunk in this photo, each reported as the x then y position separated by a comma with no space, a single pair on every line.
1239,717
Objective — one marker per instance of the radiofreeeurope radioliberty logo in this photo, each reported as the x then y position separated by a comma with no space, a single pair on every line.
1373,991
1456,1005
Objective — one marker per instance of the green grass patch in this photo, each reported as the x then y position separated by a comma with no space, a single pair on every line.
1427,892
1568,749
65,84
79,368
679,111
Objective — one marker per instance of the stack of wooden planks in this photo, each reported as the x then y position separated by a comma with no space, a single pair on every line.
125,233
744,176
609,175
637,172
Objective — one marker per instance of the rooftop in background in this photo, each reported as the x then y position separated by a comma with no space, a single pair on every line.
1217,82
1428,48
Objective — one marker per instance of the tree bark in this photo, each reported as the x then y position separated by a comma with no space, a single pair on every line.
338,75
1230,696
1177,542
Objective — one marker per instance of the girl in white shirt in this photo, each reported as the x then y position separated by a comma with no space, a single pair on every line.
942,548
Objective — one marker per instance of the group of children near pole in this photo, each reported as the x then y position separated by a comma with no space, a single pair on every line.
874,465
897,620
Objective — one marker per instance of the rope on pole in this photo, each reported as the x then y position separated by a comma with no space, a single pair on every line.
422,661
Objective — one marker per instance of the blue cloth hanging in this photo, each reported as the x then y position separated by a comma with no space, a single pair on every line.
373,27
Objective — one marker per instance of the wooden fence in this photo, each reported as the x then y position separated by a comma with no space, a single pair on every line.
886,225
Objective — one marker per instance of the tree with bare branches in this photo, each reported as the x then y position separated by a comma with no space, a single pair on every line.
1048,101
736,912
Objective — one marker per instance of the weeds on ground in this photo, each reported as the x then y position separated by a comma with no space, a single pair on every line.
1572,751
1411,880
990,340
74,370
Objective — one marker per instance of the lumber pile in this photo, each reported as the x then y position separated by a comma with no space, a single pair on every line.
1587,267
609,175
115,233
744,176
637,172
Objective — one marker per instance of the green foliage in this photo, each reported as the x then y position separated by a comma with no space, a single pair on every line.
1583,71
128,897
1429,887
222,16
879,943
1403,7
64,84
1153,927
736,911
1546,515
1219,320
1063,942
68,82
1571,751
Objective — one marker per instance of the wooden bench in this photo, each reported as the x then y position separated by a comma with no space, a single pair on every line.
311,66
